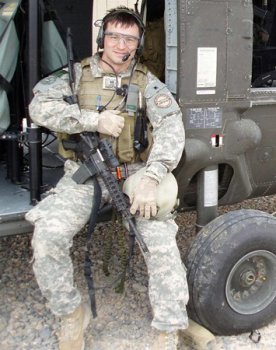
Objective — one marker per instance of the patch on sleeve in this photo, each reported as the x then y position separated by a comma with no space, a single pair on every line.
160,101
163,101
48,82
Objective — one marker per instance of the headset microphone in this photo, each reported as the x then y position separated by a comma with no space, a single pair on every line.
126,57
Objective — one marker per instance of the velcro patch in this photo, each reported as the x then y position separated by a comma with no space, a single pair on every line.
163,101
48,82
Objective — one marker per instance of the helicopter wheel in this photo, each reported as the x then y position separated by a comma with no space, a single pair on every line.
232,273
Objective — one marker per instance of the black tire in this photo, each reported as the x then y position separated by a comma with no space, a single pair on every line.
232,273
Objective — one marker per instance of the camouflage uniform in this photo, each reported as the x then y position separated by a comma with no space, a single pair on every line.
67,208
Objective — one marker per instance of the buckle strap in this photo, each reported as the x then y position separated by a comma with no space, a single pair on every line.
121,172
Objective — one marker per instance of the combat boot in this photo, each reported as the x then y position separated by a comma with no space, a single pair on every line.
197,337
166,341
73,327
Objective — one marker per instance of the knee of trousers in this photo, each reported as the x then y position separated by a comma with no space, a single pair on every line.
51,240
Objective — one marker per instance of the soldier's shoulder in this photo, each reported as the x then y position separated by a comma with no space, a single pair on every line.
51,81
160,98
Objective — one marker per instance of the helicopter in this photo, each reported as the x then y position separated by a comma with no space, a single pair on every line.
219,60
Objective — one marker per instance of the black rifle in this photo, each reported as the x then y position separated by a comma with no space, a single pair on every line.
71,71
99,160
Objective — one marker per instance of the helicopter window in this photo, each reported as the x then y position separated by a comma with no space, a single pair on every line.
264,43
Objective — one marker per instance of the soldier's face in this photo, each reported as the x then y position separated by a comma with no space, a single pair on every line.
120,41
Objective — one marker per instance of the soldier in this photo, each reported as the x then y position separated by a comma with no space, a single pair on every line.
103,108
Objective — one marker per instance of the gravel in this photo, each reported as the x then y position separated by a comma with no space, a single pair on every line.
123,320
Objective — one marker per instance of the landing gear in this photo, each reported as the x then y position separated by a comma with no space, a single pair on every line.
232,272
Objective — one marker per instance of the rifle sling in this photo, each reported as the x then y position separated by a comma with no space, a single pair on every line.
91,227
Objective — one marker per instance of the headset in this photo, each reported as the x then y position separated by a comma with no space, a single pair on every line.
100,37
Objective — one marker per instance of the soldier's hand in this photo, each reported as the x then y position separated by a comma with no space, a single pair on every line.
143,200
110,123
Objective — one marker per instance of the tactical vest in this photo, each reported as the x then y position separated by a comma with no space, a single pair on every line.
91,90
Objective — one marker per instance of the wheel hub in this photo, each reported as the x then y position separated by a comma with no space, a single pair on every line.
248,278
250,285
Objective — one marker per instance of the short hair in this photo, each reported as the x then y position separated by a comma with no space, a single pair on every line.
124,15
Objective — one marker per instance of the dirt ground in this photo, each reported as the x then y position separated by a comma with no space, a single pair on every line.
123,321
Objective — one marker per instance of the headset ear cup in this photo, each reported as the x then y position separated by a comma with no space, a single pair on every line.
100,38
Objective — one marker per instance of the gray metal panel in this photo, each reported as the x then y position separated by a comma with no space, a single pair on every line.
214,38
203,27
239,48
14,199
14,203
262,160
171,45
15,227
214,78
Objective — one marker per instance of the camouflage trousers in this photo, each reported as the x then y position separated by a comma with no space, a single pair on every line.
62,214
